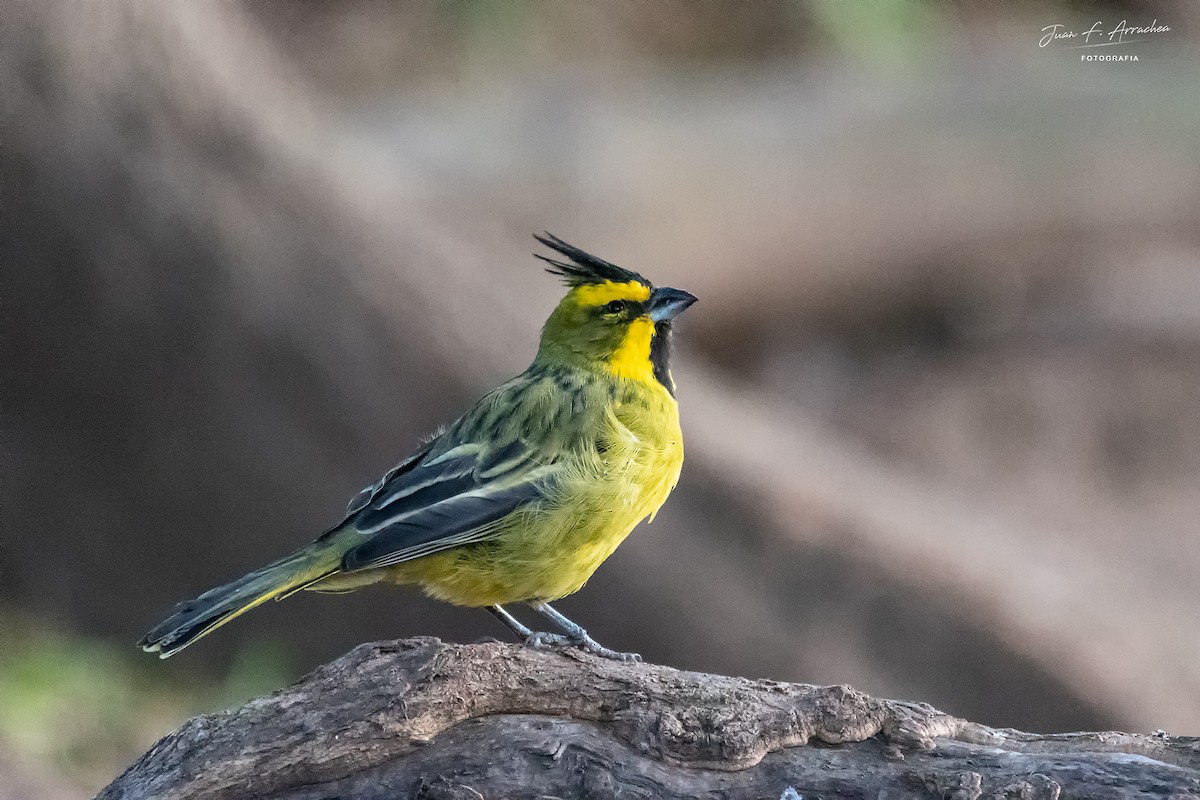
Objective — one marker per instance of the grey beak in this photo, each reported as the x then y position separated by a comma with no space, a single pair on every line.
666,303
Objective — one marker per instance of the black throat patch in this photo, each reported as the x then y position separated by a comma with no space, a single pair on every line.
660,355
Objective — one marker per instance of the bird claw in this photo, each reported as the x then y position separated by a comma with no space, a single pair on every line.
547,641
615,655
555,641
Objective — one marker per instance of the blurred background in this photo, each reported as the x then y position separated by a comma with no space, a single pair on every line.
941,394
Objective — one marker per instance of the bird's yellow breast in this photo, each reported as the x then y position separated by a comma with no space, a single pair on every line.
549,549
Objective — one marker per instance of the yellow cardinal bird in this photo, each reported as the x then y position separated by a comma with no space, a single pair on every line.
523,497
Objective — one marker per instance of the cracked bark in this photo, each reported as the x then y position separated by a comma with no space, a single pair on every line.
422,719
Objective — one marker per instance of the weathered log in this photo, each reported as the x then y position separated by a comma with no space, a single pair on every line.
422,719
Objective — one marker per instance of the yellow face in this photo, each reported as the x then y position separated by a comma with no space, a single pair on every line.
604,324
597,294
612,320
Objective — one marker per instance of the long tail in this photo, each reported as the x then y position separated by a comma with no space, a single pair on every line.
190,620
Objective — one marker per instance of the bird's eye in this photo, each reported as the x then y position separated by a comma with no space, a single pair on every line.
615,307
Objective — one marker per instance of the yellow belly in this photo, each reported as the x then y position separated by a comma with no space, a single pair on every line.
550,549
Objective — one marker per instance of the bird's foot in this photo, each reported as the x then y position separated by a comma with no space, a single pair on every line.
556,641
592,646
540,640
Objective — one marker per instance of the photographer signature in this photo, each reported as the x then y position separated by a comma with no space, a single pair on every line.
1053,33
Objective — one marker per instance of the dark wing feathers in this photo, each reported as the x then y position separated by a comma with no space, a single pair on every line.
423,487
438,527
427,504
426,485
361,499
584,267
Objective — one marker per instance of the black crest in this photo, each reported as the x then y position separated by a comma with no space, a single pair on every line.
584,267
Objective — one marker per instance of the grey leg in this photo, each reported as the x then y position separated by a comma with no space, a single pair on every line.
533,639
511,622
577,636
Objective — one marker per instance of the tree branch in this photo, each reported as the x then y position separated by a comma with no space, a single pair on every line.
422,719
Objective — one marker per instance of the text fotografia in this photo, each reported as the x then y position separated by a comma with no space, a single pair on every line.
1099,36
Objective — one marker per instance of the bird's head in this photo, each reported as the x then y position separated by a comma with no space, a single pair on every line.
611,320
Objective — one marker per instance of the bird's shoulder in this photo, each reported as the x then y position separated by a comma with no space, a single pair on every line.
547,407
534,418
